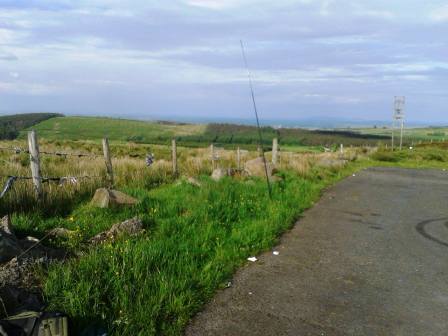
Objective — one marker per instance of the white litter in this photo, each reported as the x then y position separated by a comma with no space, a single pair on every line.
253,259
275,252
250,293
354,174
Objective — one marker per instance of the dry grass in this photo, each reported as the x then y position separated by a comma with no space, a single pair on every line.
130,169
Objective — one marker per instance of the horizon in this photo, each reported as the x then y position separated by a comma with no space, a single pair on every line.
310,60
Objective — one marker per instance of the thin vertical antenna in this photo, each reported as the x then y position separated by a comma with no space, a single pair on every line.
260,137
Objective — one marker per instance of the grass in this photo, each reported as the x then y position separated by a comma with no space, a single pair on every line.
411,135
94,128
425,156
191,135
154,284
194,239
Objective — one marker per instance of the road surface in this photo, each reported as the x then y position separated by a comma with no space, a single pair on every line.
370,258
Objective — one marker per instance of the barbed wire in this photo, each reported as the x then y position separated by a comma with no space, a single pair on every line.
61,180
19,150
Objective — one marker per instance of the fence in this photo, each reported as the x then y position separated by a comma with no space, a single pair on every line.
217,155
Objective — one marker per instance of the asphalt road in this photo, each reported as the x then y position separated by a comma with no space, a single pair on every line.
370,258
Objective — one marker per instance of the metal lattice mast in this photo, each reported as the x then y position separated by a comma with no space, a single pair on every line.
399,103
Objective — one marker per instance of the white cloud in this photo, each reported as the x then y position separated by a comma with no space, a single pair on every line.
383,14
440,14
32,89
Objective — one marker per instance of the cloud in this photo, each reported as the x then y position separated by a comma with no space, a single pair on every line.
184,55
440,14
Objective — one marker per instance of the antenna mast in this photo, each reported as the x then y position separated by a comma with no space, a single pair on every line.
399,103
260,137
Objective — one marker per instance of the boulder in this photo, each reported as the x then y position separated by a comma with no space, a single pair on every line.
9,245
60,232
219,173
193,181
130,227
330,162
107,198
255,167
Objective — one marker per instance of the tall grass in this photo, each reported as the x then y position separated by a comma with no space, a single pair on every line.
195,237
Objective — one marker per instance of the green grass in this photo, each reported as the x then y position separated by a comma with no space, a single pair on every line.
11,125
411,134
94,128
195,239
418,157
226,135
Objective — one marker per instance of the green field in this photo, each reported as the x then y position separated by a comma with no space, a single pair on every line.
11,125
193,135
411,135
123,130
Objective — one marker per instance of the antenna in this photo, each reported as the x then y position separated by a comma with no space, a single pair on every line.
260,137
398,116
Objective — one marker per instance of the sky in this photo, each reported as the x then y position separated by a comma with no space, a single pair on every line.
182,58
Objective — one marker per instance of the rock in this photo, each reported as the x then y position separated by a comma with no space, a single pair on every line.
6,225
107,198
9,245
219,173
193,181
130,227
255,167
329,162
61,233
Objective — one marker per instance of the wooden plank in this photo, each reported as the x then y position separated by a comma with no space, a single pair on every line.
33,146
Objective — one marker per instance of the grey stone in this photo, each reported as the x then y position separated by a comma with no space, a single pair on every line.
9,245
219,173
107,198
131,227
256,167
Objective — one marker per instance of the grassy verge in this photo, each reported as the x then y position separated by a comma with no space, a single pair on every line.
195,239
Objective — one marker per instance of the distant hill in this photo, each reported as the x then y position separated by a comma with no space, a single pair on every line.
243,134
193,135
11,125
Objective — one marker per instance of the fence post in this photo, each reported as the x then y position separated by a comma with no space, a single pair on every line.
238,158
274,151
108,161
174,155
212,153
33,146
342,149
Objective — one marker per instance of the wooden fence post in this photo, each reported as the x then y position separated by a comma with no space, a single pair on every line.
238,158
212,153
108,161
174,155
33,146
342,149
274,151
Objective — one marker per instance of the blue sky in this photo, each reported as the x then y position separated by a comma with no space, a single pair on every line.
141,58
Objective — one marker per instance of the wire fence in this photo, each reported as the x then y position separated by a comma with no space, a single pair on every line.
19,150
